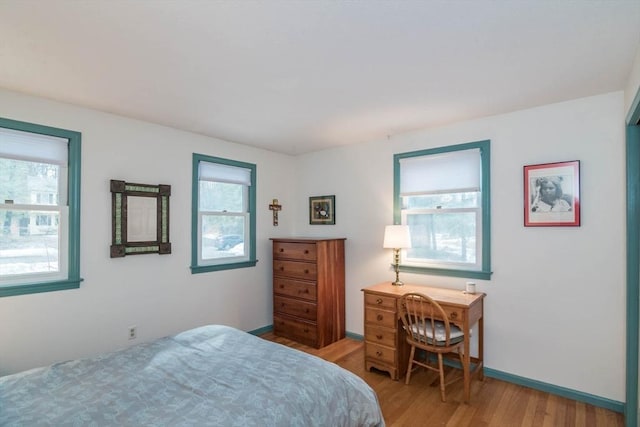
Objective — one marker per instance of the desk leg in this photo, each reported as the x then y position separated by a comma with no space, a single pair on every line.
481,348
467,365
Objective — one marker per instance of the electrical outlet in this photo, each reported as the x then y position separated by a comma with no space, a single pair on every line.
133,332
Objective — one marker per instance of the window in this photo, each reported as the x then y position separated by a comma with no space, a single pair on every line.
442,194
223,214
39,208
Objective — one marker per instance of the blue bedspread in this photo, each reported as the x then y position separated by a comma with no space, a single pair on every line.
209,376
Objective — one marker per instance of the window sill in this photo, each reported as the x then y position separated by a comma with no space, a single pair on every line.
34,288
469,274
196,269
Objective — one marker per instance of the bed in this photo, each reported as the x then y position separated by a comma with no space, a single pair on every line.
209,376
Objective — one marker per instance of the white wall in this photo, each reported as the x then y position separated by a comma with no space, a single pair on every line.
156,293
632,91
555,307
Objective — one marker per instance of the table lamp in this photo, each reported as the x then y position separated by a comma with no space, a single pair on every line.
397,237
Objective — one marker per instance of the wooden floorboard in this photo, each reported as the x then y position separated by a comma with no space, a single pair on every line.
494,403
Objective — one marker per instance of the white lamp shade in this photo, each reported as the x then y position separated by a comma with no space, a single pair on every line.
397,237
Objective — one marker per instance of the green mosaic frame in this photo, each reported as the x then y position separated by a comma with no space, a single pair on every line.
120,193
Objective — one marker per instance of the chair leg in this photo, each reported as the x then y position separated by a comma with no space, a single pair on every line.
441,369
410,364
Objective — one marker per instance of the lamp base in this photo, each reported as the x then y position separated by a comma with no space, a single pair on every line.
396,267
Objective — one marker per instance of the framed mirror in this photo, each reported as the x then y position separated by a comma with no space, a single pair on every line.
140,219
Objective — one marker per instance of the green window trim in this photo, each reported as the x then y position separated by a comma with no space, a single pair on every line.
73,199
195,267
485,156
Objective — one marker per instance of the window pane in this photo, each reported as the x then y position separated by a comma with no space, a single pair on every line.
30,242
442,201
447,237
221,196
222,236
29,183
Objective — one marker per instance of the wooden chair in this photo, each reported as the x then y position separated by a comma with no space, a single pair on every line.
427,328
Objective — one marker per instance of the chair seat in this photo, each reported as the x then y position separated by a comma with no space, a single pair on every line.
424,334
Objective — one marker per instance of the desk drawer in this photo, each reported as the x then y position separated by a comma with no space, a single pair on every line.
381,353
454,314
377,317
388,303
294,307
378,335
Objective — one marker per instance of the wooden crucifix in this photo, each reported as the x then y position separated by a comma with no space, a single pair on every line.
275,207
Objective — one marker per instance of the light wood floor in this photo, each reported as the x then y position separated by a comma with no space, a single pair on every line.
493,402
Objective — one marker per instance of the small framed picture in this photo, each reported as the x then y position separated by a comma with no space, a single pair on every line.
552,194
322,210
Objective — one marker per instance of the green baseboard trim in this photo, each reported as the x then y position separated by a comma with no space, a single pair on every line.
354,336
262,330
557,390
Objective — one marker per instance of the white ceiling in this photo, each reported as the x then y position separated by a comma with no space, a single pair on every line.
299,76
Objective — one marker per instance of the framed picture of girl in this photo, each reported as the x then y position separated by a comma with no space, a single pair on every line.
552,194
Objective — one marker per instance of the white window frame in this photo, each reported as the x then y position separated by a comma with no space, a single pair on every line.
247,221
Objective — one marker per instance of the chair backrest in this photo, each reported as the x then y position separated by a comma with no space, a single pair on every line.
425,321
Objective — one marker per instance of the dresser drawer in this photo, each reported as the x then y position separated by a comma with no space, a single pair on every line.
378,317
303,332
289,250
381,353
294,307
388,303
295,269
380,335
295,288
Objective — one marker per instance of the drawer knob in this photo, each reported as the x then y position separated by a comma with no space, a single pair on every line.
281,268
281,286
281,250
453,315
306,272
379,301
378,353
306,251
307,310
379,317
305,291
379,336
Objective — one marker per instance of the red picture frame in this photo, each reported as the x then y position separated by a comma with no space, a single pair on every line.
552,194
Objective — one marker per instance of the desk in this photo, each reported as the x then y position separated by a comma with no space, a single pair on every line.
386,348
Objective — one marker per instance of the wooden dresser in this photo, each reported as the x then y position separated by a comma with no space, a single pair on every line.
308,290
